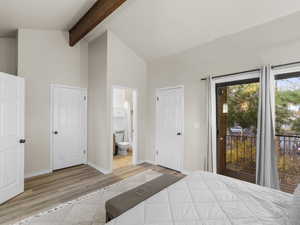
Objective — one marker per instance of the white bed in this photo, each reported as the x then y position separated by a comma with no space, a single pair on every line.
207,199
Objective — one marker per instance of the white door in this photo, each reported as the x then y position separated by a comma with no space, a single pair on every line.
11,136
68,130
169,131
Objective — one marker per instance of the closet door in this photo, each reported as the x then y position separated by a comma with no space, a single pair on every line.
170,121
68,126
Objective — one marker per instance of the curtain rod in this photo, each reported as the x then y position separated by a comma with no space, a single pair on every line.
255,70
231,74
287,64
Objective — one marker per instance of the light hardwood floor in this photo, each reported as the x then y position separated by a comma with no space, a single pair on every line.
120,161
47,191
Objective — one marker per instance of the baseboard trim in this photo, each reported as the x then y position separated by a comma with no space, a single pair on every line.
147,161
151,162
102,170
39,173
183,171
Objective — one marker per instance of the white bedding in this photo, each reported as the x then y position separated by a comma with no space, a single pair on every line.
207,199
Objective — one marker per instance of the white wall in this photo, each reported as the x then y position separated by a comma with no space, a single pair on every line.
127,69
44,58
98,106
8,55
111,63
273,43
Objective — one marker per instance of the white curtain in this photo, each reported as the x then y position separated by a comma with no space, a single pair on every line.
266,160
208,157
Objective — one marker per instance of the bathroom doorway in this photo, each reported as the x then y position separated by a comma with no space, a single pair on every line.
124,126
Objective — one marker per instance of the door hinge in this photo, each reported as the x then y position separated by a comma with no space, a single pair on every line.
156,152
157,98
84,98
84,151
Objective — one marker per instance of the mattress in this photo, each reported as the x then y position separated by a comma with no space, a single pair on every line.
204,198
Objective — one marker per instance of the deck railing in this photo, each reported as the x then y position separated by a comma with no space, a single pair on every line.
241,156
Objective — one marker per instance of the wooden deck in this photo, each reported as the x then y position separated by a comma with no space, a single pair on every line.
46,191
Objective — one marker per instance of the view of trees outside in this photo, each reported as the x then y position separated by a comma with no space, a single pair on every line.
242,106
288,129
288,106
242,103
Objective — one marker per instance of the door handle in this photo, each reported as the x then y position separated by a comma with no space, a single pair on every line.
22,141
179,134
55,132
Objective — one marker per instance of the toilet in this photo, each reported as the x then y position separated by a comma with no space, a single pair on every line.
123,148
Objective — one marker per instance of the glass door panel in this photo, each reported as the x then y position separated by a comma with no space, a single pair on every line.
288,130
237,107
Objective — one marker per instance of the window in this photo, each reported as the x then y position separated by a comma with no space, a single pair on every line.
288,129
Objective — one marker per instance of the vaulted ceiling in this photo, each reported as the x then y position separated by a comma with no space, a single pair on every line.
153,28
156,28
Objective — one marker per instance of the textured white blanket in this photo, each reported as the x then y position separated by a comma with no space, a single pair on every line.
209,199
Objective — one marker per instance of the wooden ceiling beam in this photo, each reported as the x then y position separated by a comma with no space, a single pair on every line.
99,11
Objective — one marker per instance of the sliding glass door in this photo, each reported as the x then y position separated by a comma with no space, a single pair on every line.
288,129
236,109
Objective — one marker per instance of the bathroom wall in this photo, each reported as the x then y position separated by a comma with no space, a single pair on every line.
112,63
125,68
99,106
122,107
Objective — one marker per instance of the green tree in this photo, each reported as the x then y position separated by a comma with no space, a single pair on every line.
296,126
285,117
243,105
283,114
243,101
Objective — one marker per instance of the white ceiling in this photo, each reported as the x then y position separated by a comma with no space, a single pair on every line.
153,28
40,14
156,28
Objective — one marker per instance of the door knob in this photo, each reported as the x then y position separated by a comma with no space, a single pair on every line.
55,132
179,134
22,141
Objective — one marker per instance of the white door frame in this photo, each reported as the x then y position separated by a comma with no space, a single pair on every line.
84,133
135,146
156,125
237,77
